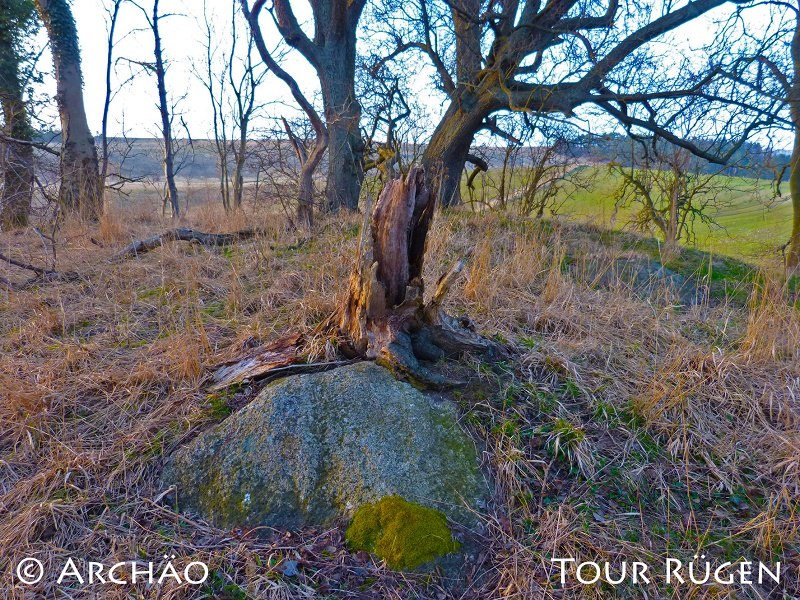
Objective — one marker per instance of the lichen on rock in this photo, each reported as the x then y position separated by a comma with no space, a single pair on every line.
404,534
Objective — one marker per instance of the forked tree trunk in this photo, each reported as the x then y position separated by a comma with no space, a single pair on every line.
385,317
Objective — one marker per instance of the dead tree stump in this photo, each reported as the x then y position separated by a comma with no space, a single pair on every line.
385,317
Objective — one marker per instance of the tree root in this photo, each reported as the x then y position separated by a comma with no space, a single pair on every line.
401,357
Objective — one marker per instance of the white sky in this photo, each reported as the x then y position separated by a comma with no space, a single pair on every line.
134,109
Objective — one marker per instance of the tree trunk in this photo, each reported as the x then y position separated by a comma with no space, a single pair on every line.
81,189
384,317
109,93
17,159
17,165
446,154
793,249
345,160
238,167
305,198
308,165
224,188
674,199
342,117
166,120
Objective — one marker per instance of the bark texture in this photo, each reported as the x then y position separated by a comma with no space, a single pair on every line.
385,317
332,53
182,234
342,115
81,190
446,154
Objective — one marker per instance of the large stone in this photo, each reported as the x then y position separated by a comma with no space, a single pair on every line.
313,448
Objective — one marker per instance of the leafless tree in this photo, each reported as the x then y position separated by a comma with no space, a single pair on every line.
669,191
231,81
770,65
305,199
383,141
553,59
550,171
113,14
165,109
538,58
276,163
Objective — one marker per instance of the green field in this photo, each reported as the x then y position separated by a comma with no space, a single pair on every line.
748,223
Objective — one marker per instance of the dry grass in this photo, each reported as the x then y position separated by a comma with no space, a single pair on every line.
624,429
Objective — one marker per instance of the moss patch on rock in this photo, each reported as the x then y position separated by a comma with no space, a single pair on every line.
404,534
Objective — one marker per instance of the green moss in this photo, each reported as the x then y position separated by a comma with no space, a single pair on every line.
404,534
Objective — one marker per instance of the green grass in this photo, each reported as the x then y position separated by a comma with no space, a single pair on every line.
747,225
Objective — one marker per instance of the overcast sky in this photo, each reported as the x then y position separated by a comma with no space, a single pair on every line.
134,110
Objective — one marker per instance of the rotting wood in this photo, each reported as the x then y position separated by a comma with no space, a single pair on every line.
385,317
278,354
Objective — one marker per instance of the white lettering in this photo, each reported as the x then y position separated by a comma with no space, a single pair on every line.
640,573
96,570
74,571
562,562
111,574
776,576
195,581
673,566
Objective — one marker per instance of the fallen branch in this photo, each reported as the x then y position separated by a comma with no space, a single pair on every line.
182,234
272,373
28,267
